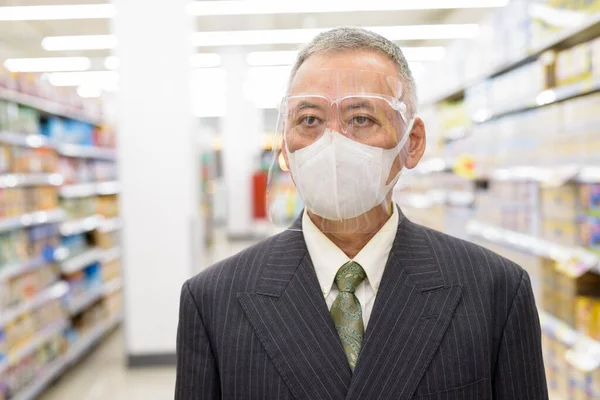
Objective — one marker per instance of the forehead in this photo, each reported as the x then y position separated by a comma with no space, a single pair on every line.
339,73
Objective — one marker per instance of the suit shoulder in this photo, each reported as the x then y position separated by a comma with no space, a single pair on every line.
452,253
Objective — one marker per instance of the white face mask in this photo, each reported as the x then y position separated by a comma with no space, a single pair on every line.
339,178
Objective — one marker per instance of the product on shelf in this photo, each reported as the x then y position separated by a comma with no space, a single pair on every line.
546,26
75,243
111,270
26,160
587,317
84,280
107,206
77,208
106,240
18,119
79,170
26,286
63,130
18,201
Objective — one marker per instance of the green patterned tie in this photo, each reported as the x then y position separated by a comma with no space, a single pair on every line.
347,312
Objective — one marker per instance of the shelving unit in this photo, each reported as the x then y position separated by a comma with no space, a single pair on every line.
15,269
89,189
72,150
49,107
519,131
575,260
62,224
585,32
56,291
31,219
78,304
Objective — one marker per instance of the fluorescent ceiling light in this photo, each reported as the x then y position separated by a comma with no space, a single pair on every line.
89,42
274,58
271,58
296,36
206,60
50,64
57,12
201,60
97,78
283,36
209,8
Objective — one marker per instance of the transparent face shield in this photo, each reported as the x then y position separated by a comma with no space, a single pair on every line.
340,146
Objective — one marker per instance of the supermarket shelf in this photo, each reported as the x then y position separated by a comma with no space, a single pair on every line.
573,261
112,254
548,97
58,367
81,260
108,188
22,180
78,226
556,328
56,291
19,139
580,34
113,286
84,301
48,106
79,151
584,352
40,338
16,269
436,197
549,176
35,218
78,190
89,189
110,225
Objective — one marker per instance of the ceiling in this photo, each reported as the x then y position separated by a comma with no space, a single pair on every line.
22,39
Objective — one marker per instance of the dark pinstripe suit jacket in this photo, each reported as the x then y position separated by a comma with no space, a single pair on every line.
451,321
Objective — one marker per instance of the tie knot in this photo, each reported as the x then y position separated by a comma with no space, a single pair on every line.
349,276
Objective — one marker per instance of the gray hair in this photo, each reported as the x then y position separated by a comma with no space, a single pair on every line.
348,38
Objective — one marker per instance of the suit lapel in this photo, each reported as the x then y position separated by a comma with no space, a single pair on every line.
412,311
291,319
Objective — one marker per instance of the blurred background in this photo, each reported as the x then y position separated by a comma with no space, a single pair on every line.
135,140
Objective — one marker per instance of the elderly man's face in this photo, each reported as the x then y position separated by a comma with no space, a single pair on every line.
335,75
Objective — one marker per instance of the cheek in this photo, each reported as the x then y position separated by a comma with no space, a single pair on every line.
395,170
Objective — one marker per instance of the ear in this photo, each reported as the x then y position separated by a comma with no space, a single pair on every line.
418,143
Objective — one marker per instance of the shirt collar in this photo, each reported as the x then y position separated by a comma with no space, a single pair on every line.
327,258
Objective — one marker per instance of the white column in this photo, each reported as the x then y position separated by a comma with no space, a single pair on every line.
241,128
158,169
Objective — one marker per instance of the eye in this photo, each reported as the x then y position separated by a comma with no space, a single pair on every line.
361,121
309,120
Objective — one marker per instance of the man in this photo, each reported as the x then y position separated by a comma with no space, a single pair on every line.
354,301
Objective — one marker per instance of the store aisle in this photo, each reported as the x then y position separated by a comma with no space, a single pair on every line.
104,375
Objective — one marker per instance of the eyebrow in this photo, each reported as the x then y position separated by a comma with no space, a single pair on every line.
306,104
362,104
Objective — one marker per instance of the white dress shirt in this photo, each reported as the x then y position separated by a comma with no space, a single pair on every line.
327,259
